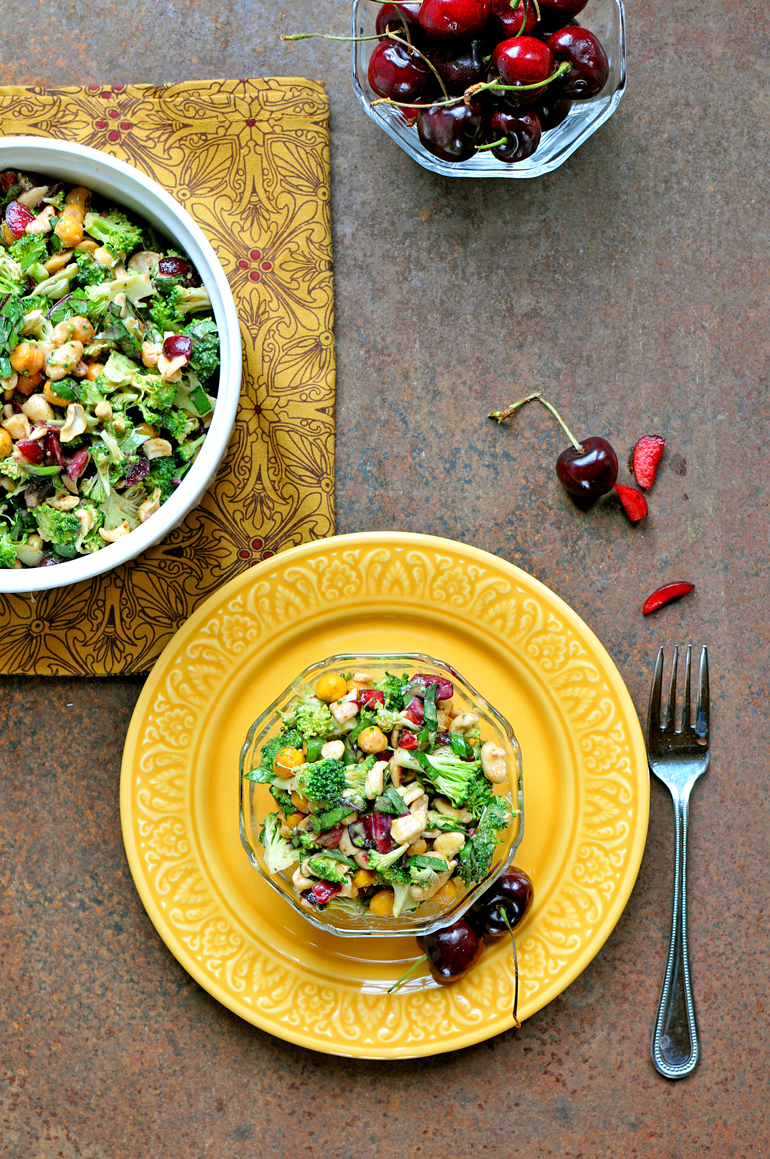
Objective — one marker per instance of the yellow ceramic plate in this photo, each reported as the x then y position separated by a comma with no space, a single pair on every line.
586,788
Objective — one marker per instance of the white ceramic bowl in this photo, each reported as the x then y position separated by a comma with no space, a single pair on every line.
129,188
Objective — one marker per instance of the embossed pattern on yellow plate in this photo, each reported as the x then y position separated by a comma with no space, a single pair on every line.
586,788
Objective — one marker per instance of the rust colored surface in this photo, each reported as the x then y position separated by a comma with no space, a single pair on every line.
631,286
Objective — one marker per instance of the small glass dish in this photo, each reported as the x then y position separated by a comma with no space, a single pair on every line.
606,18
255,800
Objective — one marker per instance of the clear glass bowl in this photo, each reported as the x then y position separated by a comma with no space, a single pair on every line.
256,802
606,18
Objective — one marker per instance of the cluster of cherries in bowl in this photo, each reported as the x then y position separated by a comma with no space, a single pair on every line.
485,75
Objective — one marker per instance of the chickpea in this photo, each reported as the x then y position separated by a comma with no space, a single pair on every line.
446,894
330,687
37,409
295,819
81,329
69,228
300,803
372,740
61,361
381,904
28,383
6,444
50,395
103,411
150,354
363,878
78,197
417,847
27,358
286,761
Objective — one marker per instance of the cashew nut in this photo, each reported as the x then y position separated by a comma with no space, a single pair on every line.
493,763
334,748
447,844
75,423
404,830
341,710
156,448
150,506
117,532
375,780
464,722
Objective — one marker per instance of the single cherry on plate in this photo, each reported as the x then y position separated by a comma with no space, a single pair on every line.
588,468
448,19
452,952
523,61
583,52
520,130
397,72
510,897
451,132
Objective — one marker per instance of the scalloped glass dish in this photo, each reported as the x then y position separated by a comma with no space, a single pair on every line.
256,802
606,18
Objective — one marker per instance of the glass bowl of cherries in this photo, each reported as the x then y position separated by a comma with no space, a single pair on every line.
489,88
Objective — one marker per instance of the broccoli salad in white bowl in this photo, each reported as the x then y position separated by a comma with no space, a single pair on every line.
115,365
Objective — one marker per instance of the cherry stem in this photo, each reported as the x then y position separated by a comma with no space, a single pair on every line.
502,415
410,971
422,56
496,87
491,145
516,1022
324,36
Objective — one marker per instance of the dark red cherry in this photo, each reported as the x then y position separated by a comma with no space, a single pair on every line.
451,133
389,18
459,63
589,472
552,109
588,60
505,19
17,218
178,346
523,60
522,130
511,895
396,72
452,952
562,10
447,19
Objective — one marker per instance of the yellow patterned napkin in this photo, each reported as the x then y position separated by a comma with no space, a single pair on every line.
249,159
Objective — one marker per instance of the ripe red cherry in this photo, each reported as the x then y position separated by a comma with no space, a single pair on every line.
178,346
446,19
396,72
589,472
460,63
505,21
452,952
589,65
552,110
451,133
523,60
522,130
175,267
563,10
17,218
511,895
389,20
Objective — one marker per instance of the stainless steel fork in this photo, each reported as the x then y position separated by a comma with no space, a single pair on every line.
678,759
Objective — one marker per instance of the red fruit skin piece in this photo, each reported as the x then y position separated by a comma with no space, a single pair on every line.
666,594
407,740
634,503
370,696
33,450
17,218
647,455
324,891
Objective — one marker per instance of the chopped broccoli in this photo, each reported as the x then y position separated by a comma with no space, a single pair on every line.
164,474
453,777
135,287
282,798
386,718
380,862
475,858
12,468
328,868
480,794
179,424
355,775
58,527
90,273
314,720
13,280
159,394
278,853
8,548
323,781
205,352
444,824
37,325
392,687
114,231
164,315
288,738
29,250
189,300
119,371
124,506
402,898
58,284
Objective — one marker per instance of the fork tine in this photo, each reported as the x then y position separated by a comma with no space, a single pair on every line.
669,726
702,716
686,705
653,711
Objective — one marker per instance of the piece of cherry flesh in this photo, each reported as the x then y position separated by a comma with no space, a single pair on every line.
589,472
17,218
522,130
552,110
397,72
460,64
523,60
512,894
451,133
444,688
452,952
589,67
451,19
505,20
389,20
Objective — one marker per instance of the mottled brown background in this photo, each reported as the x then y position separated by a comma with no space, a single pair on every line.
632,284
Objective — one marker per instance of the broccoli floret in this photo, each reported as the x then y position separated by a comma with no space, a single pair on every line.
12,468
8,555
289,738
58,527
381,862
164,315
328,868
114,231
90,273
159,394
475,858
391,686
205,352
480,794
386,718
164,474
118,507
13,280
179,424
189,299
58,284
282,798
356,775
278,853
454,778
322,781
444,824
29,250
135,288
314,720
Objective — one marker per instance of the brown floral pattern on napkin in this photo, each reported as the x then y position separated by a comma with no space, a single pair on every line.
249,159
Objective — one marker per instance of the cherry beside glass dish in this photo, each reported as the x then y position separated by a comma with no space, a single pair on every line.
604,18
425,910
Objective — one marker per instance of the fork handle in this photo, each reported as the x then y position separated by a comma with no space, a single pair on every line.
675,1037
